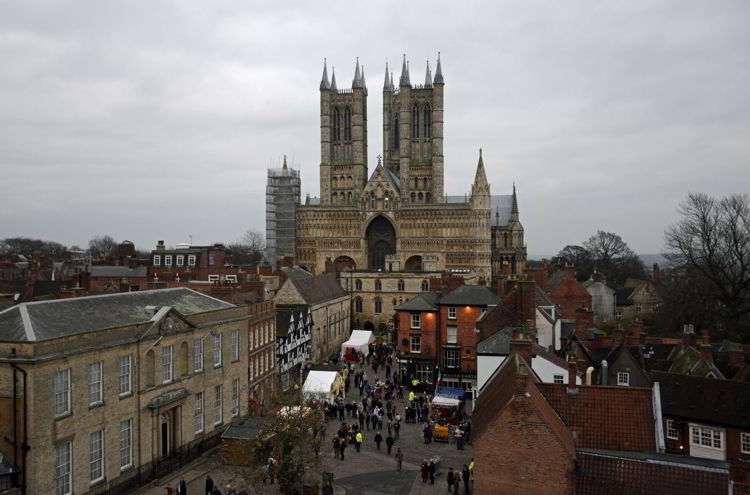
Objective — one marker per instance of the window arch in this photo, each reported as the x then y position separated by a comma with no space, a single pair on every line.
427,197
335,182
425,286
378,285
395,132
347,124
377,305
358,284
394,302
420,196
413,197
358,305
349,197
336,125
415,121
427,131
401,285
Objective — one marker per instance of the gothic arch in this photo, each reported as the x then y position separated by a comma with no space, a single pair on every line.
413,264
380,238
343,263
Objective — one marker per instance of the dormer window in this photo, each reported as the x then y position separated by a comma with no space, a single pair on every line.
623,379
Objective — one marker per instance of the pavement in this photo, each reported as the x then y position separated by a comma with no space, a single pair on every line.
368,472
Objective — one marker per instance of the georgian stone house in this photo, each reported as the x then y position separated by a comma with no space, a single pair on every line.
103,393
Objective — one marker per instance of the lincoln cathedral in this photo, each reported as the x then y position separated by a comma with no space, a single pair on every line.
386,233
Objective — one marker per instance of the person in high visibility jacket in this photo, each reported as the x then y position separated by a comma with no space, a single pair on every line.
412,396
359,438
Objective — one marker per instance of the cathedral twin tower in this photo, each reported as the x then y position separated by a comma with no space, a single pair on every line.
412,137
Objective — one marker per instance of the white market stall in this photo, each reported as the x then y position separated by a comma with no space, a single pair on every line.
320,386
359,340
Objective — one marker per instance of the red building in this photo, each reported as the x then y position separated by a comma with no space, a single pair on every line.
568,293
115,278
185,263
440,333
262,354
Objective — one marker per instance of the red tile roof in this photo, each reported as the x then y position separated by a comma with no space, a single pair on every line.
616,418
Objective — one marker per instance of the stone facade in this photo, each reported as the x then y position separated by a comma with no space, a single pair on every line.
131,391
398,218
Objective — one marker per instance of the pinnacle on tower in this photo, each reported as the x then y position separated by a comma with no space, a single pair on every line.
514,209
364,82
324,84
333,78
357,82
404,74
284,167
427,76
481,176
387,84
392,86
438,72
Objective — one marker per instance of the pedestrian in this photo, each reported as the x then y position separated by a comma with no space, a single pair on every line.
425,468
432,471
426,432
342,448
389,443
367,420
336,445
471,468
396,428
359,439
272,469
465,476
216,490
399,459
378,439
390,426
209,485
181,488
459,439
450,478
456,483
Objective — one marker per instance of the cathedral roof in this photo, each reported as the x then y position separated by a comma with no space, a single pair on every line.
500,204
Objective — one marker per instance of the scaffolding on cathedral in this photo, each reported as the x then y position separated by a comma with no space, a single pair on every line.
282,197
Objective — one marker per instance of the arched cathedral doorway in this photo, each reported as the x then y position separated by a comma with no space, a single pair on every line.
381,241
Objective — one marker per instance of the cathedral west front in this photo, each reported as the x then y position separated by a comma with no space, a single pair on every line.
387,233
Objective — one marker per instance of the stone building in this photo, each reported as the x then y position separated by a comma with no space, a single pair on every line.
329,307
106,392
397,220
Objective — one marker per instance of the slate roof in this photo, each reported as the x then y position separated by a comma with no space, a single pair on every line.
622,296
118,271
495,393
725,402
248,430
497,343
426,301
605,471
295,272
43,320
470,295
285,314
618,418
501,206
319,288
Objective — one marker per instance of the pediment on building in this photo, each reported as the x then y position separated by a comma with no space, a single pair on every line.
382,183
169,321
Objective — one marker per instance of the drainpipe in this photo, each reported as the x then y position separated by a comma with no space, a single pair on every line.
604,378
24,445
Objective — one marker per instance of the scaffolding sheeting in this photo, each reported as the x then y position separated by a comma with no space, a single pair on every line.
283,188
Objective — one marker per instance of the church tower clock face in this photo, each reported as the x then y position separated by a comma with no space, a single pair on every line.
381,241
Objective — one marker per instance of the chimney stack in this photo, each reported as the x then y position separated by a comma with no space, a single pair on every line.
521,345
688,335
572,373
707,353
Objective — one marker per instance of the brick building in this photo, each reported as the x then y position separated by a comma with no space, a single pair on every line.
261,345
547,438
185,263
568,293
115,278
106,392
441,332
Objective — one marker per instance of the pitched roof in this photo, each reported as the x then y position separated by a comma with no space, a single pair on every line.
497,343
426,301
606,471
495,393
470,295
501,207
43,320
295,272
725,402
622,296
286,314
619,418
319,288
118,271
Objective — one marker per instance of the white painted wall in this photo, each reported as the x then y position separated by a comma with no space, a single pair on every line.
545,331
546,370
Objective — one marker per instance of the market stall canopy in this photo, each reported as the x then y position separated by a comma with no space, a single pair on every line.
359,340
454,393
320,385
445,402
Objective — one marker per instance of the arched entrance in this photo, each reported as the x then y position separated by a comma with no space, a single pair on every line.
413,264
381,241
342,264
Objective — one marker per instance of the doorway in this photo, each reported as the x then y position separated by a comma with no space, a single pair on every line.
165,431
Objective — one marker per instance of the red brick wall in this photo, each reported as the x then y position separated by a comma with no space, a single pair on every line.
518,453
466,321
428,322
570,295
101,283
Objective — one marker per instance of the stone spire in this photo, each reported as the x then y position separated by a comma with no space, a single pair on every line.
427,76
324,84
284,167
481,176
357,82
333,78
404,75
514,208
387,84
438,72
480,190
392,86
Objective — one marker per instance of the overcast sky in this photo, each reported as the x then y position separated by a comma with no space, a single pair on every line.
153,120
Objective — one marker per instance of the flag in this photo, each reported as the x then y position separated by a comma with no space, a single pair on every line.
158,342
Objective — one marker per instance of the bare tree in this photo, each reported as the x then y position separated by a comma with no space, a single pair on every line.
248,250
101,246
713,238
613,257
